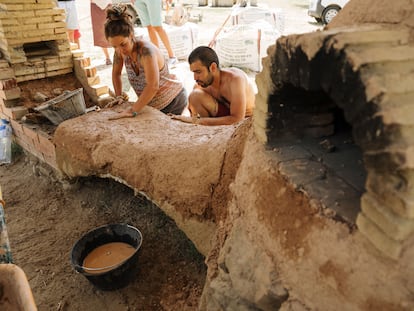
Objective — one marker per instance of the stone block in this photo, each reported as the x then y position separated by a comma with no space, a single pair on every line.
393,83
31,132
76,53
364,36
395,226
378,54
7,84
94,80
90,71
389,160
46,145
84,61
381,241
4,64
6,73
100,89
396,191
11,93
8,103
15,113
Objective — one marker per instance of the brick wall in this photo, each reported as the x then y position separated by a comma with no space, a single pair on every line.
27,22
38,21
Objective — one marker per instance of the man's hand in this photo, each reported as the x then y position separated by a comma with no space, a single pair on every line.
186,119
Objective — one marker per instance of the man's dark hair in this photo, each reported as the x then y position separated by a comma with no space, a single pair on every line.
205,55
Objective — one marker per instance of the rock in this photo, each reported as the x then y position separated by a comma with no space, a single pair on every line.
40,97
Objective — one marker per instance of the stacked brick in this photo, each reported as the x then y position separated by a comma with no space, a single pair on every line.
35,141
27,29
90,80
10,105
25,23
29,137
368,74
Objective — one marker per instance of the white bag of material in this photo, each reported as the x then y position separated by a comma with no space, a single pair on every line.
244,46
249,14
183,39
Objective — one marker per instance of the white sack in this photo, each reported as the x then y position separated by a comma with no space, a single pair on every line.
244,46
183,39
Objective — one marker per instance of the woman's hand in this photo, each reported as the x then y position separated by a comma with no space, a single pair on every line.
124,114
117,100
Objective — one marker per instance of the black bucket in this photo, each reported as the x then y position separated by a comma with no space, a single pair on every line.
119,275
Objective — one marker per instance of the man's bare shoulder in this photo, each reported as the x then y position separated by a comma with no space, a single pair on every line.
234,71
234,75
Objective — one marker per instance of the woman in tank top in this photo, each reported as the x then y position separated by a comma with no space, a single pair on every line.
145,65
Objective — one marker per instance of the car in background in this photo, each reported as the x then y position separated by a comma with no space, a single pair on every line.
325,10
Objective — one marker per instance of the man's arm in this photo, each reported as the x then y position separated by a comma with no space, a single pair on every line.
235,93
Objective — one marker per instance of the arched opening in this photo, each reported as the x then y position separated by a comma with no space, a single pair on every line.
317,150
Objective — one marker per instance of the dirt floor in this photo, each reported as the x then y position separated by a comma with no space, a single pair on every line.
45,218
44,221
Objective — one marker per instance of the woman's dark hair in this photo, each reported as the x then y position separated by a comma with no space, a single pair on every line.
118,21
205,55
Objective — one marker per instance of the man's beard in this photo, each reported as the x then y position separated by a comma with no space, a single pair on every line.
208,82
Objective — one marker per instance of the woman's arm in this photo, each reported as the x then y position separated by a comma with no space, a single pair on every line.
116,73
149,61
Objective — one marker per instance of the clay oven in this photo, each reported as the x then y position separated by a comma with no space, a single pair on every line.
341,101
33,39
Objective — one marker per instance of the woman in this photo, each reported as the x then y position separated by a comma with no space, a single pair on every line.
72,21
149,12
98,14
145,65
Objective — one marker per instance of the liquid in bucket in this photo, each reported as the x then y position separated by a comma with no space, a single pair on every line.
107,256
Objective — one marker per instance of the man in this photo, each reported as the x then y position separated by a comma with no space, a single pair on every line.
221,96
71,14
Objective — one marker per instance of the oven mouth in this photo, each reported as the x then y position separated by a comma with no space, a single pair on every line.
40,49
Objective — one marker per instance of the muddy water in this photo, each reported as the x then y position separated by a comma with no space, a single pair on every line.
107,255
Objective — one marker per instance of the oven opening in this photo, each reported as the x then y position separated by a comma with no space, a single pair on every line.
40,49
315,148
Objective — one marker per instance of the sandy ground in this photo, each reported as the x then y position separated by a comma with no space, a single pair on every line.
44,221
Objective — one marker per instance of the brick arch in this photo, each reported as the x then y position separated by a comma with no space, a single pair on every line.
367,74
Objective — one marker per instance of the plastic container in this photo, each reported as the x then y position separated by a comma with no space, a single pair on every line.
5,252
5,142
117,276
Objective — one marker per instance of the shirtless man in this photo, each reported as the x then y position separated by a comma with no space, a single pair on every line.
221,96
